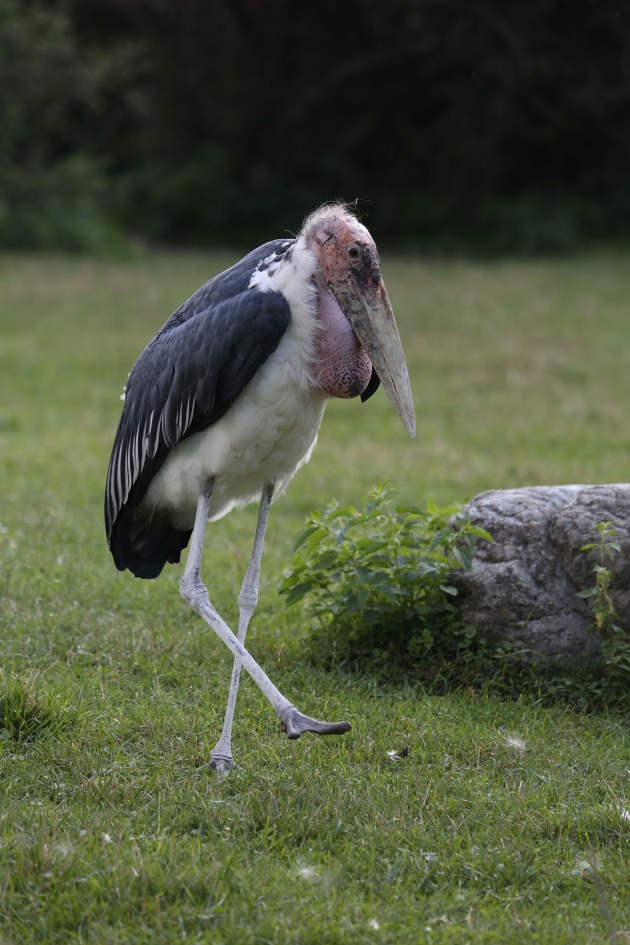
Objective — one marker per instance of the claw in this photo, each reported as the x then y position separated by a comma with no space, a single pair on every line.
295,723
222,764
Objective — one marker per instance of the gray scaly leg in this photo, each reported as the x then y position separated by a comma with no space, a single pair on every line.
293,722
221,755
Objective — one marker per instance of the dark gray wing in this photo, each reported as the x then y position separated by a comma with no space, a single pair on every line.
183,382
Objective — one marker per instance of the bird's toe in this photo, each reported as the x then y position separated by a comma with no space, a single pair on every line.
221,764
295,723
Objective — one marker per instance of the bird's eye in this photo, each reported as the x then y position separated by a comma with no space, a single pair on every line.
353,252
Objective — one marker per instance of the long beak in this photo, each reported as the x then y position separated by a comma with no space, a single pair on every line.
372,320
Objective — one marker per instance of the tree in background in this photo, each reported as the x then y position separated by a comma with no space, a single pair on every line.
56,145
486,124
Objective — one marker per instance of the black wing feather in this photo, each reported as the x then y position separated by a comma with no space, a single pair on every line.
184,381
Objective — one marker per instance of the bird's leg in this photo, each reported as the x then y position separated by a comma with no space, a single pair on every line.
221,755
193,590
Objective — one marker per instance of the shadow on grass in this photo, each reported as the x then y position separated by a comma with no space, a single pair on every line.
472,664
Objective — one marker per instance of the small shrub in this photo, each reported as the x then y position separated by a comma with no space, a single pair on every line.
378,583
614,640
379,579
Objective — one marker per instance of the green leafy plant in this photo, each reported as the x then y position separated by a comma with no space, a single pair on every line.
379,578
603,550
613,638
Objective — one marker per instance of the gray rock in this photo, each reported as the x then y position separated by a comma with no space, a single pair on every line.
523,586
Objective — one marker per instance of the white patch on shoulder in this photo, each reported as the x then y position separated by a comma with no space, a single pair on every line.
292,276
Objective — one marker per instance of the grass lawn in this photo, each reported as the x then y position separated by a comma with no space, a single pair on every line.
506,821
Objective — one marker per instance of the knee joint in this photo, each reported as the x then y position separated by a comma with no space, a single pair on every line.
248,598
193,590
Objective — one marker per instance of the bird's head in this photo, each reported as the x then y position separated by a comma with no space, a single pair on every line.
350,268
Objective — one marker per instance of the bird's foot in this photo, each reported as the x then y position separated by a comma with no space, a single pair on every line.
221,764
295,723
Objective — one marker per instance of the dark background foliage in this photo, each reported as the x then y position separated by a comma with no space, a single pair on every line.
479,124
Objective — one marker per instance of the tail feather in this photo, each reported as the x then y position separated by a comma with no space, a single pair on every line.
145,552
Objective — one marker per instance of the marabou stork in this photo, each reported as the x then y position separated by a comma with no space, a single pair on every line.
224,406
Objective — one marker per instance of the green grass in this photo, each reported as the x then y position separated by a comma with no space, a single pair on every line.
504,822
